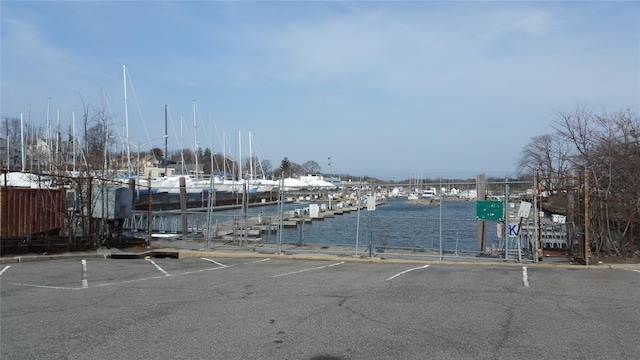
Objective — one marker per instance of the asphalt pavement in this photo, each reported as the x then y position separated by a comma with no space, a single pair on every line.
253,305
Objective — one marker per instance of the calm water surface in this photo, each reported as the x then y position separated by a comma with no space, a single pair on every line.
394,224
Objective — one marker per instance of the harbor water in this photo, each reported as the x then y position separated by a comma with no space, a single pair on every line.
394,224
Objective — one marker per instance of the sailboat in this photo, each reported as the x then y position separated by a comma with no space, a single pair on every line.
258,184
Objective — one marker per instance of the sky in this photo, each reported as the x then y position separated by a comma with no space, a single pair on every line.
388,89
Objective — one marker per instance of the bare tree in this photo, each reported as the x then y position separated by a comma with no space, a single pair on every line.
265,166
577,128
606,148
615,169
99,140
296,169
14,130
311,167
548,154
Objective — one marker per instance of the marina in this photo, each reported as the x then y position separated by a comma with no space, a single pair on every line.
394,227
375,219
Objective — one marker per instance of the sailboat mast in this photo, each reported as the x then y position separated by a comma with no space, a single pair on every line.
57,153
195,136
239,159
48,133
106,133
166,137
23,153
251,173
73,119
211,152
224,154
32,142
181,145
126,119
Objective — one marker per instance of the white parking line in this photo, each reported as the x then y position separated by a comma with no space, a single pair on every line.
127,281
47,287
310,269
406,271
257,261
633,270
215,262
4,269
158,267
525,277
85,282
116,282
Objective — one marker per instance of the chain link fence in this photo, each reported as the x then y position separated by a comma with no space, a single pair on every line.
448,228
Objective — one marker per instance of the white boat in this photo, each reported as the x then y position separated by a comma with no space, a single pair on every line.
218,184
171,185
428,196
429,192
142,184
317,181
294,184
263,185
20,179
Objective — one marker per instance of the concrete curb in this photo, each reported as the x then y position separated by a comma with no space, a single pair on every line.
181,254
46,257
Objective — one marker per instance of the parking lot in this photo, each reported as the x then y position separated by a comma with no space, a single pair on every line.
275,308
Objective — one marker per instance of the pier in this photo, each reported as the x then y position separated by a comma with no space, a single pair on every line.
168,223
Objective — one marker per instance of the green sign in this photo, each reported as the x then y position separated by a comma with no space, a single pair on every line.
489,210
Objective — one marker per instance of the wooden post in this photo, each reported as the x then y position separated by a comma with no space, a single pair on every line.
586,217
132,186
149,213
89,214
183,206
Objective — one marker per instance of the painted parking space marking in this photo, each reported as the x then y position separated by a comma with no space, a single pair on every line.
309,269
257,261
47,286
4,269
165,274
406,271
85,281
215,262
525,277
126,281
202,270
158,267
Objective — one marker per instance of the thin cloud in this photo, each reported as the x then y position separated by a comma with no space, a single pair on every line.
403,80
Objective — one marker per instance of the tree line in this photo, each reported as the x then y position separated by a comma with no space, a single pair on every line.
591,159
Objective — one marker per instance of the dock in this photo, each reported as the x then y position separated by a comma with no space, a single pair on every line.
252,228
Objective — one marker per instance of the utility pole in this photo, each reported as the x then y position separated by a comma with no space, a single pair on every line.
586,216
6,141
506,219
23,153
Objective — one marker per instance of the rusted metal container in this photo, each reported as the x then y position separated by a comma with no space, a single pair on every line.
28,211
